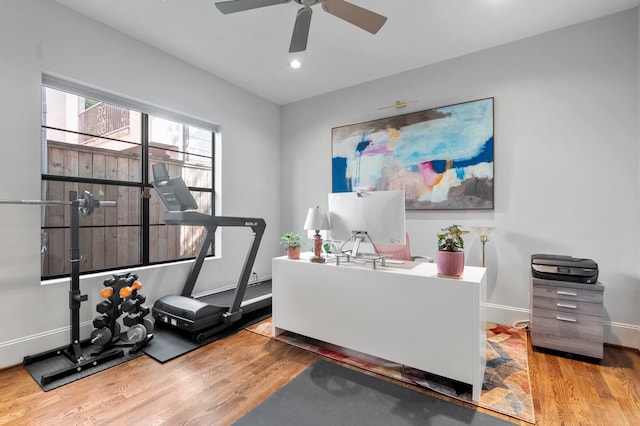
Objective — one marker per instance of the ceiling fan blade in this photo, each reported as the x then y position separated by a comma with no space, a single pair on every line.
233,6
356,15
301,30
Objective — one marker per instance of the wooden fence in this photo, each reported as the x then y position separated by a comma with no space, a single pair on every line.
111,237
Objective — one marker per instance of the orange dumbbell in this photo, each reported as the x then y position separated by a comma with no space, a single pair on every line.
128,291
106,292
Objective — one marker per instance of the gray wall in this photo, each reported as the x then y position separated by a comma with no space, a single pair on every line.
41,36
566,158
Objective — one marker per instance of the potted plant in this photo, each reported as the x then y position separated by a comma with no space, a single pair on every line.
292,243
450,255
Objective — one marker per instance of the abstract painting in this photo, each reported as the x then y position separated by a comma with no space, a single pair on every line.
442,157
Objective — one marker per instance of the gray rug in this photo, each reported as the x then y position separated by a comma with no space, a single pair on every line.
328,394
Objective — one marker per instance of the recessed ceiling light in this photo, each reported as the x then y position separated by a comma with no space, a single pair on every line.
295,64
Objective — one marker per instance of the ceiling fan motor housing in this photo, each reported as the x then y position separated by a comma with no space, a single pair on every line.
307,2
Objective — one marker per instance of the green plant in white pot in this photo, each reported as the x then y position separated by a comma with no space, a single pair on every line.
450,255
292,243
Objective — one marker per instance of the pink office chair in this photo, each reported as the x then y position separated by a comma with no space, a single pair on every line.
400,252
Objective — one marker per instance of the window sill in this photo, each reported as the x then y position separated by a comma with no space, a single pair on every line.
108,274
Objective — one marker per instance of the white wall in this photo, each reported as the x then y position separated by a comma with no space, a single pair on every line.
638,193
566,158
39,36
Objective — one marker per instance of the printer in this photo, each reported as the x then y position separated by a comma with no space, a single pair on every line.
564,268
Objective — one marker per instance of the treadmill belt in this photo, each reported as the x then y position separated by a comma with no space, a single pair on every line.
225,298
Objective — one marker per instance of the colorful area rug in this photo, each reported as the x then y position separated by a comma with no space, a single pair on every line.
506,388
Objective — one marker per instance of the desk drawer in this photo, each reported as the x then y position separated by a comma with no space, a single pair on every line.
567,332
567,305
567,293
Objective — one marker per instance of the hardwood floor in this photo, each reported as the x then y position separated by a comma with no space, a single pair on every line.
217,384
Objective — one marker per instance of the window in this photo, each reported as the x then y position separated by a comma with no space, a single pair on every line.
107,146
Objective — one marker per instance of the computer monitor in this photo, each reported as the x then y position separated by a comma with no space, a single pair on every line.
174,192
360,216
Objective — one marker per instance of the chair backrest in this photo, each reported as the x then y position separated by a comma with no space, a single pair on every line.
396,251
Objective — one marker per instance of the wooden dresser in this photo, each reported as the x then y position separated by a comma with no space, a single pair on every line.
567,316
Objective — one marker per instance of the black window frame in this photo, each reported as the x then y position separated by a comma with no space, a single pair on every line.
144,186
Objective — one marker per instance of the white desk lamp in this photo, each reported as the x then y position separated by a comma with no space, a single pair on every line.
316,221
484,232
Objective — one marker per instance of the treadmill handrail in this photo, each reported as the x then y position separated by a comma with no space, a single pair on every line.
211,223
193,218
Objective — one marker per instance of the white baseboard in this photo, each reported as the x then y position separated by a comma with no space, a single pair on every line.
506,315
615,333
619,334
232,286
12,352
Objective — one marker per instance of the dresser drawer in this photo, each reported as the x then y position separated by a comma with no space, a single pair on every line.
568,293
567,332
568,305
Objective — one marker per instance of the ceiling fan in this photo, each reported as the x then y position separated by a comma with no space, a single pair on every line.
356,15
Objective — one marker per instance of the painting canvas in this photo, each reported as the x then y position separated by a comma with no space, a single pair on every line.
442,157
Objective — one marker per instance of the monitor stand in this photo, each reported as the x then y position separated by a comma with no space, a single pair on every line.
359,237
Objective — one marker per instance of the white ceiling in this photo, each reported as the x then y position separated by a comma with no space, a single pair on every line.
250,48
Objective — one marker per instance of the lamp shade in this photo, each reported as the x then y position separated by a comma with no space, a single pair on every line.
483,231
316,219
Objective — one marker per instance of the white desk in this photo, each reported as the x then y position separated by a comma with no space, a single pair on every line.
407,316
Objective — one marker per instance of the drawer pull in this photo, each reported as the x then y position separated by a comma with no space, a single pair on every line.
566,293
562,305
566,319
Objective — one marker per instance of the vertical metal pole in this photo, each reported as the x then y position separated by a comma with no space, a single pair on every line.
43,183
144,196
74,293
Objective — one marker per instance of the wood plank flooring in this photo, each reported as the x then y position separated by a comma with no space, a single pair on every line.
218,384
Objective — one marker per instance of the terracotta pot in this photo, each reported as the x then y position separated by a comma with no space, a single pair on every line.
450,263
293,252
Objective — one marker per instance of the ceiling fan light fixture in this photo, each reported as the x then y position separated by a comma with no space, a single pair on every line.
295,64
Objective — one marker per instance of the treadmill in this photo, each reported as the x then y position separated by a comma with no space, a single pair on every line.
209,315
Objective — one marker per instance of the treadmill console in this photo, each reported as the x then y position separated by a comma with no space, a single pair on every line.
174,192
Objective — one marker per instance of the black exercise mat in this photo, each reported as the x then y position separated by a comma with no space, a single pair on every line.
54,361
169,343
328,394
